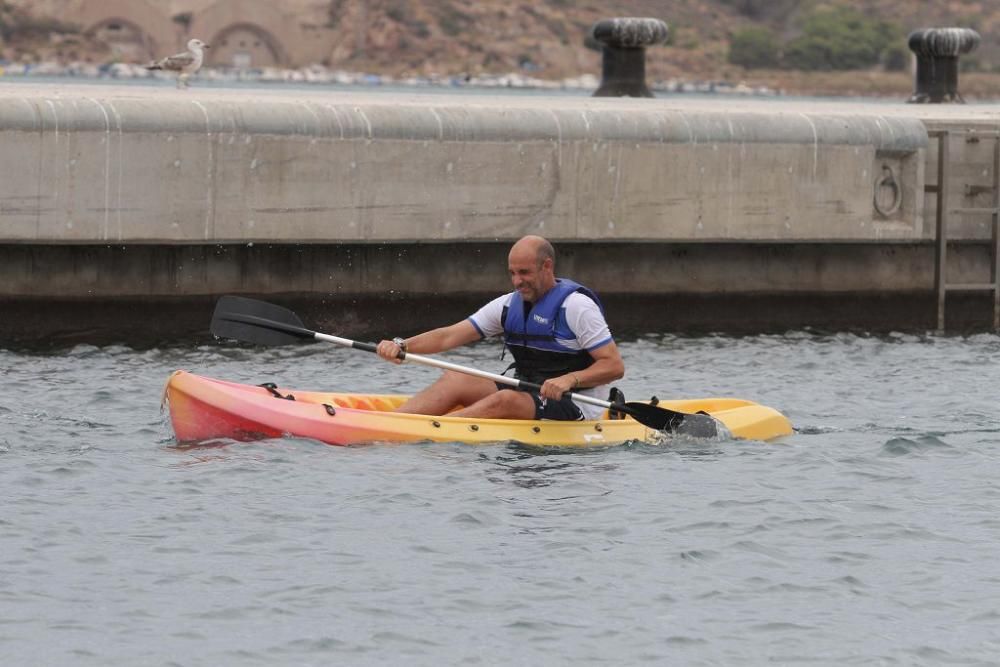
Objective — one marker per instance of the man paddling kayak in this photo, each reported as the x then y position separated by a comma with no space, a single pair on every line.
554,328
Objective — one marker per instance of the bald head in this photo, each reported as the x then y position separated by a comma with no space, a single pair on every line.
531,264
535,248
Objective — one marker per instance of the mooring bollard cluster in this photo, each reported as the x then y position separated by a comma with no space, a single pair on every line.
623,44
937,51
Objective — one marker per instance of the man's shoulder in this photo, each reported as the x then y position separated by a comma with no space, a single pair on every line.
580,299
503,299
494,306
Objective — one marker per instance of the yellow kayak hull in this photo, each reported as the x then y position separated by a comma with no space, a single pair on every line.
203,408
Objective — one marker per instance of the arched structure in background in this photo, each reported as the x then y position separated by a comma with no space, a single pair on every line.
245,45
226,24
127,41
136,30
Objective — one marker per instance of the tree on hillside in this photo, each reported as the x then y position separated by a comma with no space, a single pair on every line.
839,38
754,48
896,56
764,9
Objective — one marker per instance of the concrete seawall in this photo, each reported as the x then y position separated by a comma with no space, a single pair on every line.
752,215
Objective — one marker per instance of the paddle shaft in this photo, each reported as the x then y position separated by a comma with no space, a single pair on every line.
447,365
302,332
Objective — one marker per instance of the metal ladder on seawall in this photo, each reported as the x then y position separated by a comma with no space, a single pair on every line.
941,284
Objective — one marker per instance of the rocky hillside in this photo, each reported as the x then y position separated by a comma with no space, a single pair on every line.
544,38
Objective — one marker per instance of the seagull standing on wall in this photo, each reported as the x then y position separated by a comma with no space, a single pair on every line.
185,64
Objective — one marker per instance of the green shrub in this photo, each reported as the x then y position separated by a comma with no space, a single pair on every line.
839,38
764,9
970,64
684,39
896,57
754,48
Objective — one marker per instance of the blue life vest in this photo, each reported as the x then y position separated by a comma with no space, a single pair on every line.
533,337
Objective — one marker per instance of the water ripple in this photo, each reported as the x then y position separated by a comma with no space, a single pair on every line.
865,538
911,446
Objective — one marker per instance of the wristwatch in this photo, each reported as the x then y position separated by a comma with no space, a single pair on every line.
400,343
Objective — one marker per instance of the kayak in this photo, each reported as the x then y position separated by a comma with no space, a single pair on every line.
203,408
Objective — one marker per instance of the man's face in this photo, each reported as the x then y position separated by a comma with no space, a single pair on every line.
528,277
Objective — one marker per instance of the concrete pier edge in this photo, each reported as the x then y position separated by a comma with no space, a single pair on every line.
730,216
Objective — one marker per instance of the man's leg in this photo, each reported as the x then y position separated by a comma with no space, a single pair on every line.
503,404
511,404
449,390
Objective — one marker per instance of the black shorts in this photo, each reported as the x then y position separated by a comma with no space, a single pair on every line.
563,410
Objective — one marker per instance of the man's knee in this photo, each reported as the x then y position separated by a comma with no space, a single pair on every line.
505,397
514,402
464,388
454,377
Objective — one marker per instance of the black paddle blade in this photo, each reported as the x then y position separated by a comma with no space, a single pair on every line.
257,322
697,426
671,421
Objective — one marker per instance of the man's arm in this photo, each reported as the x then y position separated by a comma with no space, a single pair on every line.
435,340
607,367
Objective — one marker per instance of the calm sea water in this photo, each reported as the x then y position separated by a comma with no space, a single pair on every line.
871,536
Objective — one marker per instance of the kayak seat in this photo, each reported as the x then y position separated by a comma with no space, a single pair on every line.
383,405
372,403
341,402
617,397
352,402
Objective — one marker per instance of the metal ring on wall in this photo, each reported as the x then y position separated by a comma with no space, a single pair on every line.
884,183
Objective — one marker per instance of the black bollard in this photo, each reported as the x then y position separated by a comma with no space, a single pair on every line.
937,51
623,44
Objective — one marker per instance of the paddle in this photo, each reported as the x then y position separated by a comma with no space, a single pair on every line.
262,323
